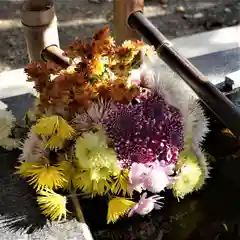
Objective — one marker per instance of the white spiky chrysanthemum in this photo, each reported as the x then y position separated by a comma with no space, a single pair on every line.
33,148
95,113
203,163
9,143
161,79
7,121
177,93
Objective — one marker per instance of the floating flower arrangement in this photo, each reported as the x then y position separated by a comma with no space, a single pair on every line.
109,125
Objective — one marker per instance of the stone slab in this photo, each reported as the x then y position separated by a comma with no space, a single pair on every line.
235,77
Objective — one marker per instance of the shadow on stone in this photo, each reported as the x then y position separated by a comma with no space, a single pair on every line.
18,208
19,104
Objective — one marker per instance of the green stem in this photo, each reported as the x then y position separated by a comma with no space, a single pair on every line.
75,194
79,215
78,209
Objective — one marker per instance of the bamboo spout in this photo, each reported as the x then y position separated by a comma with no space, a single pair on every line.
55,54
40,26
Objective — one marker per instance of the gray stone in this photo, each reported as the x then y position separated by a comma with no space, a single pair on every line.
235,77
180,9
198,15
94,1
227,10
3,105
221,64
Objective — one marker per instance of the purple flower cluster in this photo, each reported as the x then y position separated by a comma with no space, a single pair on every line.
144,132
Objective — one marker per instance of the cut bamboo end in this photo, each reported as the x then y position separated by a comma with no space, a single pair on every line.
55,54
39,22
34,5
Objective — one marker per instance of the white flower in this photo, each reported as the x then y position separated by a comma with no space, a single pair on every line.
134,77
203,163
7,121
9,143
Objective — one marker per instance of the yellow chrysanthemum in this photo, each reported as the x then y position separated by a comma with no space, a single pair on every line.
91,187
46,126
190,175
120,183
69,171
42,175
56,128
122,71
97,65
118,207
93,154
54,143
101,187
87,142
134,48
52,205
135,45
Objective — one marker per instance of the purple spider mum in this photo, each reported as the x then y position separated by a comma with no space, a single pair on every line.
145,132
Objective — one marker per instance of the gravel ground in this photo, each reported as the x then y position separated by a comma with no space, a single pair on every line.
79,18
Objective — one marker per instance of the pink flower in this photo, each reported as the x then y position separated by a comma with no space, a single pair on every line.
156,180
146,205
136,176
152,177
168,168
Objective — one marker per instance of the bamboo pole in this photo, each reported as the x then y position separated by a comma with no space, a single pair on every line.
40,26
121,10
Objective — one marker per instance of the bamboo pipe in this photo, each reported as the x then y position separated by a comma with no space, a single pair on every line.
213,99
55,54
121,10
40,26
